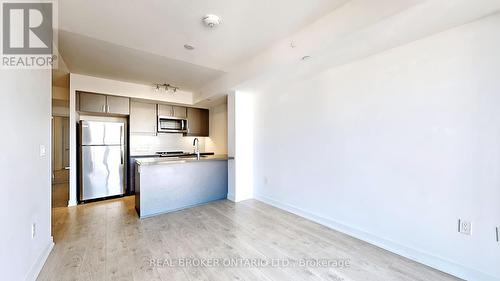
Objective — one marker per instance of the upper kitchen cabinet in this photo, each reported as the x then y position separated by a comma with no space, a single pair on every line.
180,111
198,124
172,111
92,102
143,118
165,110
118,105
96,103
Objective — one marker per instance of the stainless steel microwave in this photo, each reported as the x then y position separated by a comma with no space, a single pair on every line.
169,124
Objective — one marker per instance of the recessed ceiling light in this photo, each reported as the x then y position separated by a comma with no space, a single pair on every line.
188,47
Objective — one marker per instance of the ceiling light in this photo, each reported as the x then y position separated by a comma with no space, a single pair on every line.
211,21
165,88
188,47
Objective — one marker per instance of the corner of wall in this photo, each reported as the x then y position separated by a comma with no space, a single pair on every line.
37,266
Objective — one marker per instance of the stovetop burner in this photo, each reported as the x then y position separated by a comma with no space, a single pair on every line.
169,153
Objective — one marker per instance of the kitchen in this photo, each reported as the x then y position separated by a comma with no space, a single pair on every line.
169,156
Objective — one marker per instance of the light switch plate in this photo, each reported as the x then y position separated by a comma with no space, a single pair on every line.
464,227
43,151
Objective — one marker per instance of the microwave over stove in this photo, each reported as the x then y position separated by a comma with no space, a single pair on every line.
169,124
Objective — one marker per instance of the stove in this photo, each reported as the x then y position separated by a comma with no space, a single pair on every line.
170,153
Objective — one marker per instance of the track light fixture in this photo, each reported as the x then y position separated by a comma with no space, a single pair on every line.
165,88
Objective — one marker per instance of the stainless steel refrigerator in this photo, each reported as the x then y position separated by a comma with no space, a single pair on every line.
102,159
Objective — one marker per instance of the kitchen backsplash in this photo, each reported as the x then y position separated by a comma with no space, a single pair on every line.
146,145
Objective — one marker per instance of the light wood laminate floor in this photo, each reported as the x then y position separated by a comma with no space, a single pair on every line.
106,241
60,189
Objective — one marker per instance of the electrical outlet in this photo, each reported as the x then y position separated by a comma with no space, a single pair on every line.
464,227
33,230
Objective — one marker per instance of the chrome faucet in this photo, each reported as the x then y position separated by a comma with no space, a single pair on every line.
196,144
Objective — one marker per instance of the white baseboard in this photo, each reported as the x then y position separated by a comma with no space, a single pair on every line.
72,203
410,253
38,265
231,197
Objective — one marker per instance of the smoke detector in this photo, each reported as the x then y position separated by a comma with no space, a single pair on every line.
211,21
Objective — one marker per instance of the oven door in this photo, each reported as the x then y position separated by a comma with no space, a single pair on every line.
172,125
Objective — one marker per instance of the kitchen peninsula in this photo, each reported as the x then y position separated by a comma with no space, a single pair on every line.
169,184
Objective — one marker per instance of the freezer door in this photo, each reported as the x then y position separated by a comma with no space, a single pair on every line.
103,172
102,133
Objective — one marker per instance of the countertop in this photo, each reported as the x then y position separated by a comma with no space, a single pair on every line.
178,160
155,155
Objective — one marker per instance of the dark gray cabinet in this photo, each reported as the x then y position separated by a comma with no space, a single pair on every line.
172,111
118,105
165,110
143,118
92,103
180,111
198,122
97,103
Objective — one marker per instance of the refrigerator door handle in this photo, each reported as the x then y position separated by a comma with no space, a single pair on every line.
121,135
121,144
121,155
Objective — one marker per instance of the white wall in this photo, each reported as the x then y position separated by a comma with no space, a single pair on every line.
240,146
395,148
80,82
25,123
217,142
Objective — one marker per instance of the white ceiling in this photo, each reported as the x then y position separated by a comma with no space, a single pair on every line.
142,41
93,57
352,32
